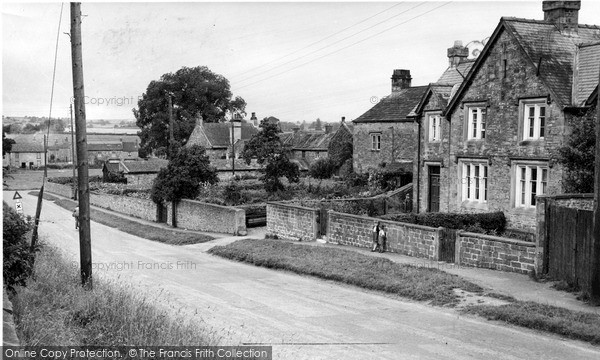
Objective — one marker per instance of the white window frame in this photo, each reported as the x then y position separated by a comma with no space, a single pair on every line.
530,180
475,181
534,122
435,128
376,141
476,121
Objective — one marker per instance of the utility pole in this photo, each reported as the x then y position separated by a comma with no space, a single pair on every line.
85,241
73,186
171,137
232,149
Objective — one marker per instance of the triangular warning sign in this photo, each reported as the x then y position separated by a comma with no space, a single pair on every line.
17,196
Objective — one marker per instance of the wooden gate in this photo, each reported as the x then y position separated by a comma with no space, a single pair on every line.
447,245
323,220
569,245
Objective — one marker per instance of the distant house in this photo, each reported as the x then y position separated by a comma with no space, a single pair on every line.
140,172
60,151
110,169
386,133
101,151
27,155
129,150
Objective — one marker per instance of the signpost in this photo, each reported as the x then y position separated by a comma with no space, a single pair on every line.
18,204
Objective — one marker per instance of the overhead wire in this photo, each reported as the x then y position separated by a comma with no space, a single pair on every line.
52,91
346,47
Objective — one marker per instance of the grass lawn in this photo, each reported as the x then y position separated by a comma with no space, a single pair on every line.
132,227
19,179
423,284
54,309
572,324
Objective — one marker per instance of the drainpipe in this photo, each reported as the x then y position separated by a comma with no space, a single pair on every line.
418,197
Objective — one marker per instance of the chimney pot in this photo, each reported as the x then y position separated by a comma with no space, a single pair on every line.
457,54
343,118
401,79
328,128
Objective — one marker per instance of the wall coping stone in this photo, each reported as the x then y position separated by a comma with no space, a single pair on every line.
496,238
210,204
290,205
567,196
415,226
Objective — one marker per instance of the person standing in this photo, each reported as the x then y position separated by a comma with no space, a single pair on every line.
382,239
375,237
76,216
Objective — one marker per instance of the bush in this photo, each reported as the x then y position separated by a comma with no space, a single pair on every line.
116,177
388,179
346,169
494,223
357,180
68,180
323,168
234,195
18,257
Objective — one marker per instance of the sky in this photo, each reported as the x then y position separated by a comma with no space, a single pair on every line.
295,61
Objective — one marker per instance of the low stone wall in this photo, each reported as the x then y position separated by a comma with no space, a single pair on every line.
63,190
136,207
408,239
292,222
494,252
200,216
575,201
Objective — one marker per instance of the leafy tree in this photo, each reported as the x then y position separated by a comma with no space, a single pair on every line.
577,156
318,125
322,168
6,144
194,92
266,147
182,177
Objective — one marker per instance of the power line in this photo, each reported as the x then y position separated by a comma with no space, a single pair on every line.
319,41
346,47
334,43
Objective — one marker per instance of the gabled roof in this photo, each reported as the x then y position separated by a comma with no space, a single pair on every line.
395,107
546,49
306,140
441,92
218,135
130,147
456,75
105,146
27,147
149,166
111,166
589,60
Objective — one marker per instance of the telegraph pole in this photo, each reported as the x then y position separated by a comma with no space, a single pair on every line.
73,186
85,241
596,235
171,137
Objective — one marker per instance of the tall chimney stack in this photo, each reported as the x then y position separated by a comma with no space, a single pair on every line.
563,14
457,54
400,80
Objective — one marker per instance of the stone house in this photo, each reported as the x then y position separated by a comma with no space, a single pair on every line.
516,106
140,172
60,151
26,155
385,134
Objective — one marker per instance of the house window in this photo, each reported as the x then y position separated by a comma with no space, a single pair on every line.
376,141
475,182
304,154
435,128
38,155
531,180
476,122
534,121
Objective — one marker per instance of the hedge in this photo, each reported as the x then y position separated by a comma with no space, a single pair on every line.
494,222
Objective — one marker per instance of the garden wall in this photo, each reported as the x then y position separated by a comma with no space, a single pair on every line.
292,222
494,252
408,239
200,216
136,207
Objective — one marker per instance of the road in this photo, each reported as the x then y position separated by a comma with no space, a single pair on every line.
302,317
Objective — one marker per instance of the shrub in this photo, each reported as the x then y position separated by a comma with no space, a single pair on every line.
488,222
323,168
357,180
234,195
346,169
18,256
116,177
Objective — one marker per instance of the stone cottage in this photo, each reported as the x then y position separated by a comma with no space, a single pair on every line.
385,134
516,106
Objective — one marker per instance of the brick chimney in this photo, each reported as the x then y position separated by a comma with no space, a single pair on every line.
236,123
563,14
254,120
457,54
400,80
328,128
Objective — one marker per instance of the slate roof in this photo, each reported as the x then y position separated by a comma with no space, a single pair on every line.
105,146
456,75
218,134
395,107
130,147
112,167
589,58
441,92
27,147
307,140
149,166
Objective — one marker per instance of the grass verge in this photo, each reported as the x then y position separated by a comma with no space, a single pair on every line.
54,309
572,324
132,227
423,284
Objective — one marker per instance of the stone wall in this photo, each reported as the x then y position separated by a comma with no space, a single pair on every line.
494,252
292,222
398,143
408,239
575,201
136,207
200,216
62,190
142,180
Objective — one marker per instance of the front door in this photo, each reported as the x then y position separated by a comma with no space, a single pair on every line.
434,189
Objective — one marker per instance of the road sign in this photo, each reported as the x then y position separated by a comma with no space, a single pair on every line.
17,196
19,207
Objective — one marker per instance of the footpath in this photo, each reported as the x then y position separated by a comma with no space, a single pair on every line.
519,286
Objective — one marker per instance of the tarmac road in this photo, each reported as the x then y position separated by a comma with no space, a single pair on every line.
302,317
